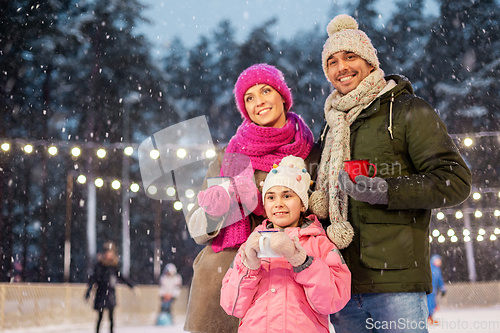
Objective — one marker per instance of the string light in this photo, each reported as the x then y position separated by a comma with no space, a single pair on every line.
52,150
28,149
128,150
152,190
154,154
435,233
210,153
99,182
115,184
177,205
101,153
170,191
134,187
181,153
75,151
81,179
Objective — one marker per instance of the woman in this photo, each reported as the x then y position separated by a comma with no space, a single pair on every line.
106,275
224,216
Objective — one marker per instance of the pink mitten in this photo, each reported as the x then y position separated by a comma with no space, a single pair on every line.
281,244
214,200
291,250
249,254
245,191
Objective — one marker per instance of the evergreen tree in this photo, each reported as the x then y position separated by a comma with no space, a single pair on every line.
224,116
461,64
258,48
405,37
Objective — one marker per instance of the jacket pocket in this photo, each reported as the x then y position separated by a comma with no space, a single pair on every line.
386,239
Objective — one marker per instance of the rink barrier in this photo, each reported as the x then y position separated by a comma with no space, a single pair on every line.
30,305
470,295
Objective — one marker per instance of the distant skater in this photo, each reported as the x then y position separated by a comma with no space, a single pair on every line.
437,287
106,274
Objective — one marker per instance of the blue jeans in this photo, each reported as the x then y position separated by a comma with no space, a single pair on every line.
385,312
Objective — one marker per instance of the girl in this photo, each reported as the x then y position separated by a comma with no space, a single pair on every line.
223,218
298,290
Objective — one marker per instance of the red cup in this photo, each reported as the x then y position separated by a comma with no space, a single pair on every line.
359,167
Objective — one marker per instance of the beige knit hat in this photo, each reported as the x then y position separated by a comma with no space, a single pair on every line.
343,35
292,173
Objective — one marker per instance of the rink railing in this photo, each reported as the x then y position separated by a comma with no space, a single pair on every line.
30,305
471,295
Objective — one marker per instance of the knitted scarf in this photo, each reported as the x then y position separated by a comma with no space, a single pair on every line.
254,147
340,113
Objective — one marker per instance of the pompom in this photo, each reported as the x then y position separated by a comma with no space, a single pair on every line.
318,204
341,22
296,161
340,234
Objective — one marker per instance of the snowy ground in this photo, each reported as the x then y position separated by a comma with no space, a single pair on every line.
480,320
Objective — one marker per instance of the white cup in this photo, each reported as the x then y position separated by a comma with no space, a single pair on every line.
224,181
265,250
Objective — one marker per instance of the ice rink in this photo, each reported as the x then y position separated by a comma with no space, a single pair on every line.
478,320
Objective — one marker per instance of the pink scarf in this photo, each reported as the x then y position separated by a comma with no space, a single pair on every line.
260,147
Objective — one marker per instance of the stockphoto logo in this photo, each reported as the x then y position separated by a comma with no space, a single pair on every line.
173,164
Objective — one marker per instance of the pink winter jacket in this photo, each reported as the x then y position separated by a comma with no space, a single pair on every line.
274,298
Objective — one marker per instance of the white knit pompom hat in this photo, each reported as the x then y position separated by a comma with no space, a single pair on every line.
343,35
292,173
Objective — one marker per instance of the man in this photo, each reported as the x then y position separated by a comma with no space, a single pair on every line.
382,223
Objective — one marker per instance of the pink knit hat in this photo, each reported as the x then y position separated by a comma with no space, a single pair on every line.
261,74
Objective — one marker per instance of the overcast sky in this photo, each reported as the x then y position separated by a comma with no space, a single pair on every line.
189,19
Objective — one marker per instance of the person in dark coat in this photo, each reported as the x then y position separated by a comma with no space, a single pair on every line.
106,275
381,223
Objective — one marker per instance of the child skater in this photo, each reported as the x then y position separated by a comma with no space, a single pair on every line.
298,290
269,132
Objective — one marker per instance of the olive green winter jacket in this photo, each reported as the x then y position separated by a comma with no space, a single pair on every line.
424,170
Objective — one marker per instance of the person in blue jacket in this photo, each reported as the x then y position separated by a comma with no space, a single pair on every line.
437,286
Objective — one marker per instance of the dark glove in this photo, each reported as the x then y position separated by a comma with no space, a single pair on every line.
214,200
371,190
